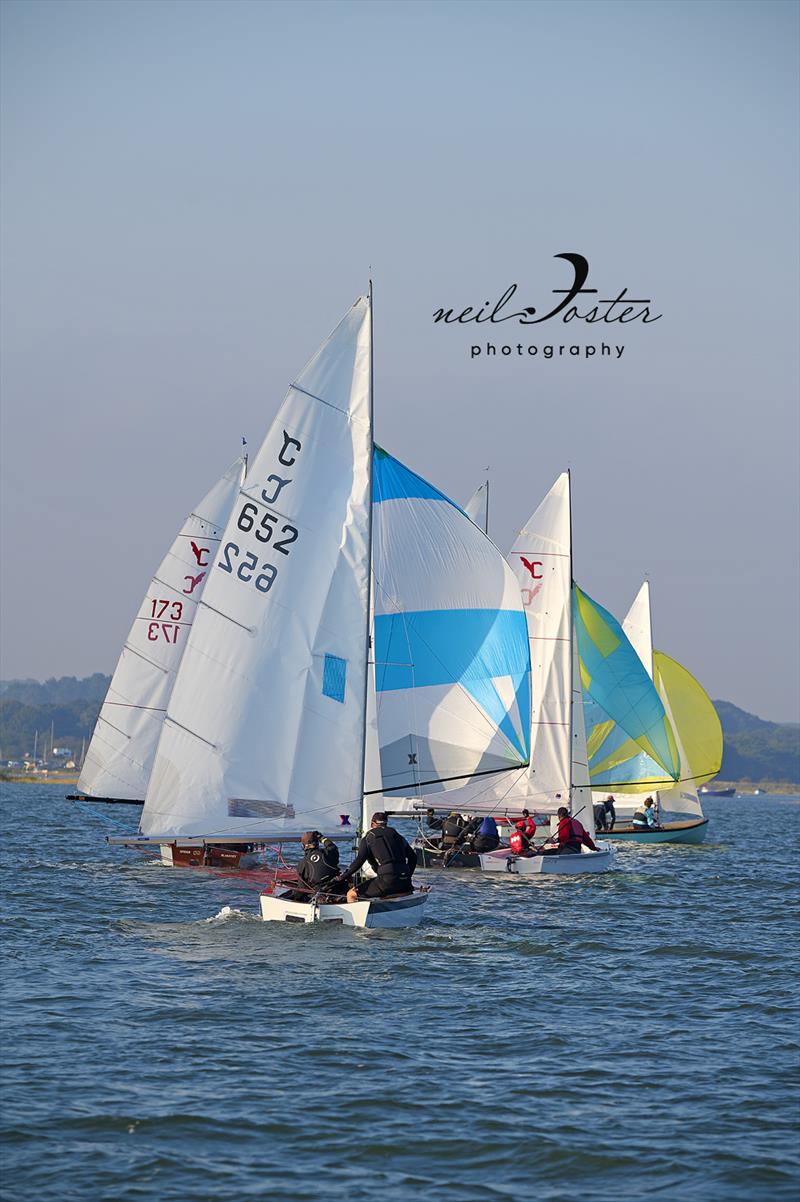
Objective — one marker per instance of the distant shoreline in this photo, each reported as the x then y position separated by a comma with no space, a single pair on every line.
39,778
770,788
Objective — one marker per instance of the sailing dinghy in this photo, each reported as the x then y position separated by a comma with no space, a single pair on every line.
556,773
267,725
698,737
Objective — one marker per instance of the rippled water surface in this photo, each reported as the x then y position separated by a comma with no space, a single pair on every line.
624,1036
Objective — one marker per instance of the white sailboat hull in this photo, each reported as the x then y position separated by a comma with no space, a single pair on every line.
372,912
503,860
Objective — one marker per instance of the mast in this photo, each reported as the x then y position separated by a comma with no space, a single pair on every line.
368,626
486,530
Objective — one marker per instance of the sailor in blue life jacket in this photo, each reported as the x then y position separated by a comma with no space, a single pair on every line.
646,819
487,838
390,855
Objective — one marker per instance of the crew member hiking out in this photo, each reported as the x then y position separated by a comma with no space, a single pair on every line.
392,858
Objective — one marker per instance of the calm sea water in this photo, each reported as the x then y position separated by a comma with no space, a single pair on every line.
614,1037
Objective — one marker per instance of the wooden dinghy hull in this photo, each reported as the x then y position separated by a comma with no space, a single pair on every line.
503,860
693,831
174,855
372,912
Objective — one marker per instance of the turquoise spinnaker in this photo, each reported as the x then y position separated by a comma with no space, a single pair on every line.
628,735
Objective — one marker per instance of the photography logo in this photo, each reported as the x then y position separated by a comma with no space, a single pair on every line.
575,303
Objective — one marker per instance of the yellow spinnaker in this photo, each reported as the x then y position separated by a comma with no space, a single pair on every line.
693,717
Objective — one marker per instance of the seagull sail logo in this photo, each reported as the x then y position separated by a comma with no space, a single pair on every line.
575,303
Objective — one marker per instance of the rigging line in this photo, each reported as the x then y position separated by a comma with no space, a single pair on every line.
439,780
519,774
117,821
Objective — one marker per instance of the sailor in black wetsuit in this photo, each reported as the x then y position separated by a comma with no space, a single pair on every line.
393,859
318,868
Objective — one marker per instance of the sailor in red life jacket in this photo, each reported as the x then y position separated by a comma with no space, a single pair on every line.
572,835
525,825
521,839
518,844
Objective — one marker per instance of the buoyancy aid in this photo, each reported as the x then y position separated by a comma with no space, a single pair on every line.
452,827
388,852
570,831
319,864
518,843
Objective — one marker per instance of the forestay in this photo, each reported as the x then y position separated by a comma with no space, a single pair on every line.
265,728
452,668
120,755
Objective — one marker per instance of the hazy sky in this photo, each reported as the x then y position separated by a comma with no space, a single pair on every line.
192,194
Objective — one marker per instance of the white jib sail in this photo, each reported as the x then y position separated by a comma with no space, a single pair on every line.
477,507
123,745
265,728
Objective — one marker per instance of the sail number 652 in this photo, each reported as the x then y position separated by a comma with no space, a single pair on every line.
248,569
266,528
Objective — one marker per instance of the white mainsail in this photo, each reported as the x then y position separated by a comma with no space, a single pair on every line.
477,507
121,752
264,734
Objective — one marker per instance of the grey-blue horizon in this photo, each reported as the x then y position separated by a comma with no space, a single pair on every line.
193,193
